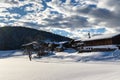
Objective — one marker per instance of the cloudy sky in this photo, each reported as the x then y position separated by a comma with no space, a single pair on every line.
71,18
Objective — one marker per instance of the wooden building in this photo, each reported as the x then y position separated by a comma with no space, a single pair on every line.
111,39
40,48
101,43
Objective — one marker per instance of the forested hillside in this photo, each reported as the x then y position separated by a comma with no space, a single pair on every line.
13,37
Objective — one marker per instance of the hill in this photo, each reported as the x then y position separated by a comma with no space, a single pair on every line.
12,37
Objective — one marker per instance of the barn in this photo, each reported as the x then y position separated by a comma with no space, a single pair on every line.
111,39
106,42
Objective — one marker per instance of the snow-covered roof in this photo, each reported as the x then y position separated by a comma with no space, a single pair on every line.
104,36
34,42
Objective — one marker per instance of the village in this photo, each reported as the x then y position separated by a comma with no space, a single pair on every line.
59,39
102,43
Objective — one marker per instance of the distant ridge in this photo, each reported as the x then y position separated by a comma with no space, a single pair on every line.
12,37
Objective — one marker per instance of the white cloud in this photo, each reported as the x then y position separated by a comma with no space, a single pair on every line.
82,14
4,5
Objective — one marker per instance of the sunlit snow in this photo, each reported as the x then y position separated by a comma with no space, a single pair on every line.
67,65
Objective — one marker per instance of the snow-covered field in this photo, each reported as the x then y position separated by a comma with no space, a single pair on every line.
67,65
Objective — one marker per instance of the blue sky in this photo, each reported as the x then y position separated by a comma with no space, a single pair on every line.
71,18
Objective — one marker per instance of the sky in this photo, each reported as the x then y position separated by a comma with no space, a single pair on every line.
71,18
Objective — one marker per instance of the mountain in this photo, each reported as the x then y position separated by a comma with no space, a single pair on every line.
12,37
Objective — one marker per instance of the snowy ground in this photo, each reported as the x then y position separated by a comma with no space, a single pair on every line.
67,65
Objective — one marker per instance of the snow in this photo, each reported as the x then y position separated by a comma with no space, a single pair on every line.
67,65
102,46
105,36
34,42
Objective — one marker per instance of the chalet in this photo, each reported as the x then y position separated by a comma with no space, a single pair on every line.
59,48
103,42
100,43
39,48
111,39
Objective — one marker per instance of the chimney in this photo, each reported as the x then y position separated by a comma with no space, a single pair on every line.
89,35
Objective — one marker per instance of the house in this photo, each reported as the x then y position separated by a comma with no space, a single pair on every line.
108,39
39,48
72,44
106,42
59,48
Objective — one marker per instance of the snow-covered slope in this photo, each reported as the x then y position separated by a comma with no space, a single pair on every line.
60,66
21,69
69,55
